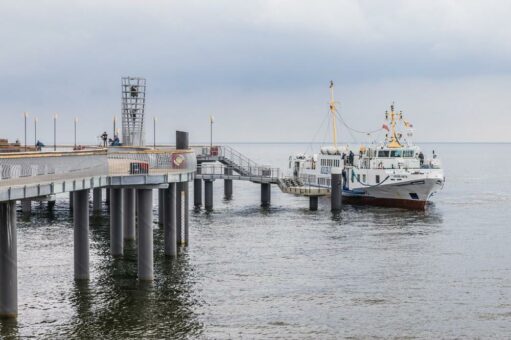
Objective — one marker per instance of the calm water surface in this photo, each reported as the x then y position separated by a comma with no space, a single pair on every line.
286,272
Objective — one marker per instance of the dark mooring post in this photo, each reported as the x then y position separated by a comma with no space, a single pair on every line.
228,184
336,194
116,229
208,194
265,194
313,203
197,192
170,221
8,261
145,234
81,234
129,213
182,194
107,195
96,199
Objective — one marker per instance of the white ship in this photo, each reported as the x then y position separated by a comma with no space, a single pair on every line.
391,173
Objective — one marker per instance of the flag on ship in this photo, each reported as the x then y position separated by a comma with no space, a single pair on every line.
385,126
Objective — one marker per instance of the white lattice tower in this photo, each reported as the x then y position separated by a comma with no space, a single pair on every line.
133,106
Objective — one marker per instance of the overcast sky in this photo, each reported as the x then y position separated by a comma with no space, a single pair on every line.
261,67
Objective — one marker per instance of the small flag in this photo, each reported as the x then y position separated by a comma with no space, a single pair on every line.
385,126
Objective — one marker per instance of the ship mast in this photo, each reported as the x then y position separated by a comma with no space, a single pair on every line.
333,113
394,141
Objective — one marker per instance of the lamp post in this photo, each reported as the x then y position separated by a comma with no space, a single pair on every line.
154,131
25,115
35,132
115,120
55,116
211,121
76,122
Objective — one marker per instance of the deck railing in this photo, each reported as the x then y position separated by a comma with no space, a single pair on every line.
39,167
127,161
260,172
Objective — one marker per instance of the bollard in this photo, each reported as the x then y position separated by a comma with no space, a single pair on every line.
116,229
81,234
336,189
129,209
145,234
265,194
8,261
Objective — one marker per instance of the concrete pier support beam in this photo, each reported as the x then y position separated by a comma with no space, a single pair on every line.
170,221
336,194
129,213
208,194
197,192
145,234
265,194
26,206
8,261
81,234
182,194
116,228
228,184
161,207
313,203
51,204
96,199
71,200
186,214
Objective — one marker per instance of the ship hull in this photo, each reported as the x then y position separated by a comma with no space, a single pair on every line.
385,202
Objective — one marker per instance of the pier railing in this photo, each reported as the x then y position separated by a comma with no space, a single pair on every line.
257,173
126,162
226,153
39,167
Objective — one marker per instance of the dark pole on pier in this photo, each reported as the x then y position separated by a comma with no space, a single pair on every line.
182,195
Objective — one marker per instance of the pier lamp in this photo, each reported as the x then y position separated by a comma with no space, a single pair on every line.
114,130
55,116
155,119
76,123
25,116
211,121
35,131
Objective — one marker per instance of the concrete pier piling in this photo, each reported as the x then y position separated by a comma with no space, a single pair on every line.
129,213
8,261
26,206
228,184
208,194
313,203
96,199
161,207
197,193
182,195
265,194
336,185
81,234
145,234
170,221
116,228
71,200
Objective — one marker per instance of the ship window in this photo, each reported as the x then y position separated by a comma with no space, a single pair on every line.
377,179
408,153
395,153
414,196
383,153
